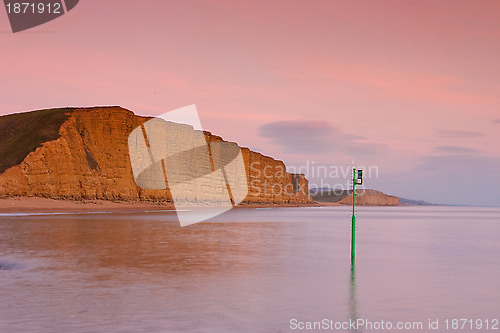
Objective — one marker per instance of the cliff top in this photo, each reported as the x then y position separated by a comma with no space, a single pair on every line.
22,133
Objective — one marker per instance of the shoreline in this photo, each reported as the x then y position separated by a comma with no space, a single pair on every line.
45,205
34,205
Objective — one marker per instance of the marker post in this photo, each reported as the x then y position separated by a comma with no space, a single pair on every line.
357,179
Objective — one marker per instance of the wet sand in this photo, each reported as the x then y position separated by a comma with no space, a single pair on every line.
44,205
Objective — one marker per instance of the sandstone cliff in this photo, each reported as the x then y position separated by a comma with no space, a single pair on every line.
82,153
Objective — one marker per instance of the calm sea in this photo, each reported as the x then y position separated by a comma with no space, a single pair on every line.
252,270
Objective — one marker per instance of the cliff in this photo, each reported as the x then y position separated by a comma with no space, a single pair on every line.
82,153
364,197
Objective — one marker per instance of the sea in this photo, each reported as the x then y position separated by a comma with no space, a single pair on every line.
288,269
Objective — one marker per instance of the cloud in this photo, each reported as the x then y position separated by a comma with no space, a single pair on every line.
456,150
299,136
497,120
459,160
459,134
315,136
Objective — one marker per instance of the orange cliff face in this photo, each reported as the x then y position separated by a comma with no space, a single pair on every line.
82,153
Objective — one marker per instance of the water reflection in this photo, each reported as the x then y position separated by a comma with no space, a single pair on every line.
143,273
353,302
149,246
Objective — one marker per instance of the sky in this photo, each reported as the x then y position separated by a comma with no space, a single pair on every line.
408,90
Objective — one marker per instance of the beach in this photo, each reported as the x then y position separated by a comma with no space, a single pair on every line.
46,205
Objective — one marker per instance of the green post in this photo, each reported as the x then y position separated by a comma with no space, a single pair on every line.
353,223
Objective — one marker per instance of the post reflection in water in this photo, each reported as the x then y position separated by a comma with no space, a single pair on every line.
353,304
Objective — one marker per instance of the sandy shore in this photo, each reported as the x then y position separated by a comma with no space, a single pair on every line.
44,205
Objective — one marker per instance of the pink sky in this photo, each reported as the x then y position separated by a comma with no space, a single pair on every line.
412,87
